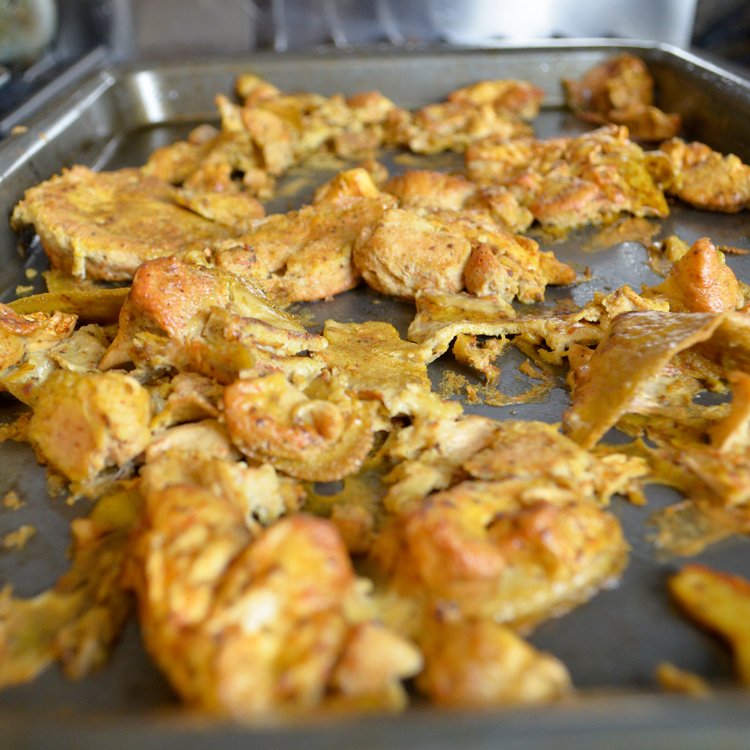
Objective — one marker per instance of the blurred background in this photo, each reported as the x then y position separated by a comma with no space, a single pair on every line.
45,45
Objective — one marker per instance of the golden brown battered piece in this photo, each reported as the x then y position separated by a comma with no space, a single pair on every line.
643,348
318,439
570,182
306,254
621,91
371,361
514,534
700,176
25,345
700,281
83,424
206,320
475,663
105,224
511,551
427,192
721,603
404,254
488,108
246,625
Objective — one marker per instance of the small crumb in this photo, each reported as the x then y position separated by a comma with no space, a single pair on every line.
527,368
12,501
56,483
16,430
731,250
31,273
24,289
17,539
676,680
19,130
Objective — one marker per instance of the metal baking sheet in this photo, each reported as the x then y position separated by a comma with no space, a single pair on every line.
611,645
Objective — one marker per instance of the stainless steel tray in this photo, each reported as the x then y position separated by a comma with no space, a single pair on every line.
611,645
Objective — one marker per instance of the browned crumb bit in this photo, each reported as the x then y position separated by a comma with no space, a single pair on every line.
17,539
12,501
676,680
56,484
15,430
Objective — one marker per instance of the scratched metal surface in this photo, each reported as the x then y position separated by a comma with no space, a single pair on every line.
611,645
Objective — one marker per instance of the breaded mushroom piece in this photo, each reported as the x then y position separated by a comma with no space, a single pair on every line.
248,624
84,423
103,225
620,90
700,176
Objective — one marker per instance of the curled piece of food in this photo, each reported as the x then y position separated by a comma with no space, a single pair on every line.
204,319
569,182
187,397
515,533
95,305
721,603
480,663
621,91
320,440
639,347
244,625
442,317
104,225
700,281
700,176
26,342
83,424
